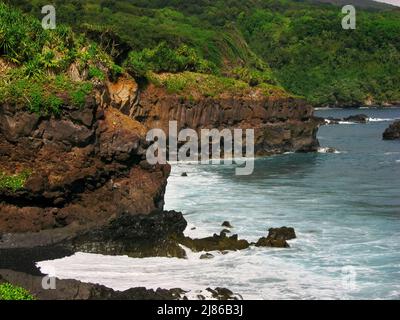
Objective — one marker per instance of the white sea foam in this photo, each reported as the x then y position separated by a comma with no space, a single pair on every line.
390,153
380,119
372,119
328,150
242,272
347,122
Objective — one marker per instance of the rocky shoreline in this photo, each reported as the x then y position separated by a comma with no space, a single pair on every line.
158,234
87,186
77,290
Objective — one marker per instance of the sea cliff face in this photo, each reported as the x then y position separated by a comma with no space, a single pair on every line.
281,124
78,181
82,167
87,165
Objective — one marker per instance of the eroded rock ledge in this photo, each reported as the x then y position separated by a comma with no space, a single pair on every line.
85,167
281,124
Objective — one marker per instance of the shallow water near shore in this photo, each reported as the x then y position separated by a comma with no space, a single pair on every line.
345,208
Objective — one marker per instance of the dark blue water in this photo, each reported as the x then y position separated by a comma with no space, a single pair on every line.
345,208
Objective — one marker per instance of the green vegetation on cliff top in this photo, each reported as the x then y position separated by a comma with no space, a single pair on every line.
294,44
192,85
34,63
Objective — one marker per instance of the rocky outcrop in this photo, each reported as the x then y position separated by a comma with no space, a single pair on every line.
393,132
277,237
280,124
85,166
215,243
138,236
358,118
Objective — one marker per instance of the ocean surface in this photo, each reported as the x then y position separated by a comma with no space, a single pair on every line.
344,206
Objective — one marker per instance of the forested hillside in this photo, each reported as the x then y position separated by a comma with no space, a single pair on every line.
295,44
364,4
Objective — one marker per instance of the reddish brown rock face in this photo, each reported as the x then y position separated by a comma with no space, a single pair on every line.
280,124
85,168
88,166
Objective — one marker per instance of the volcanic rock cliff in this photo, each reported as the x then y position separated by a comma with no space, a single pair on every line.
85,168
281,124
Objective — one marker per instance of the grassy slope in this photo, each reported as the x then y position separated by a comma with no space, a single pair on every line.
298,45
35,63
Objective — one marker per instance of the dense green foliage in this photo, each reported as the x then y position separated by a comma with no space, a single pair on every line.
164,59
13,182
297,44
10,292
35,62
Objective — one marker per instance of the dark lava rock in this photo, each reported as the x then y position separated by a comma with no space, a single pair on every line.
358,118
277,238
206,256
86,167
283,233
227,224
332,120
222,294
225,231
137,236
215,243
393,132
267,242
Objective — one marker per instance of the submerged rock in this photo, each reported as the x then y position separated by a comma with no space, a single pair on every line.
392,132
327,150
331,120
206,256
184,174
222,294
358,118
215,243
